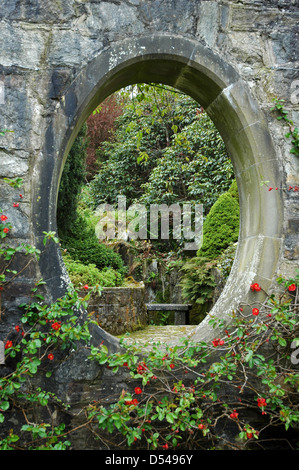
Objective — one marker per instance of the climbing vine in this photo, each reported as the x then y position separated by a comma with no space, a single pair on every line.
175,396
293,131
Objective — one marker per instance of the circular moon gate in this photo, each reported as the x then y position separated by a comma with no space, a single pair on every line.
196,70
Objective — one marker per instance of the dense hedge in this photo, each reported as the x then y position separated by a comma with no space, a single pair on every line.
221,227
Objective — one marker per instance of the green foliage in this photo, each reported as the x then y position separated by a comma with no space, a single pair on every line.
194,167
43,332
221,227
72,179
169,146
81,274
139,137
197,280
227,377
83,245
173,395
293,132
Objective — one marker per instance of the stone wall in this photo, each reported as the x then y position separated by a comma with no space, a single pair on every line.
59,60
119,310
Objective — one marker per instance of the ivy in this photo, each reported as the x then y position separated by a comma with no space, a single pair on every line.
293,132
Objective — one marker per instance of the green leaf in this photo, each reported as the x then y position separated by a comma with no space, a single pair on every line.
282,341
170,418
4,405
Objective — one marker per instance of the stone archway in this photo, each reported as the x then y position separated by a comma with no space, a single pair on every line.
193,68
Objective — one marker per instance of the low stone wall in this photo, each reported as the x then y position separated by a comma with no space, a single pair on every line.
119,309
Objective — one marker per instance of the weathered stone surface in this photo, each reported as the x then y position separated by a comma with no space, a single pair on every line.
119,310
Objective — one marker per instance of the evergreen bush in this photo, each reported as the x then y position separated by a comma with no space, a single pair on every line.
221,227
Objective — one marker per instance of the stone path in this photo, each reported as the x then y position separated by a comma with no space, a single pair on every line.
169,334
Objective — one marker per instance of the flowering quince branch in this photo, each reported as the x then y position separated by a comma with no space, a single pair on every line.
43,331
176,395
177,400
178,410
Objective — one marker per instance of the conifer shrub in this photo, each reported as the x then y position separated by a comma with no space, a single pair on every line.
220,231
221,227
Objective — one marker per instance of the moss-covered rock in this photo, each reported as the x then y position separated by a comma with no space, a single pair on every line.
81,274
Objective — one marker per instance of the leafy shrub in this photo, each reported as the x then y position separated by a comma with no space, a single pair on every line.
81,274
233,380
90,251
221,227
195,166
170,146
83,245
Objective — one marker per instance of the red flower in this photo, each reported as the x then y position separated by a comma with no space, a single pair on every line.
171,366
85,287
3,218
261,402
255,287
255,311
292,287
21,196
51,356
138,390
218,342
16,204
8,344
234,415
165,446
6,230
56,326
131,402
17,328
201,426
141,367
249,435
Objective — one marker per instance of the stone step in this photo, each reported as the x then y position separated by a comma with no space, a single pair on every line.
166,335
